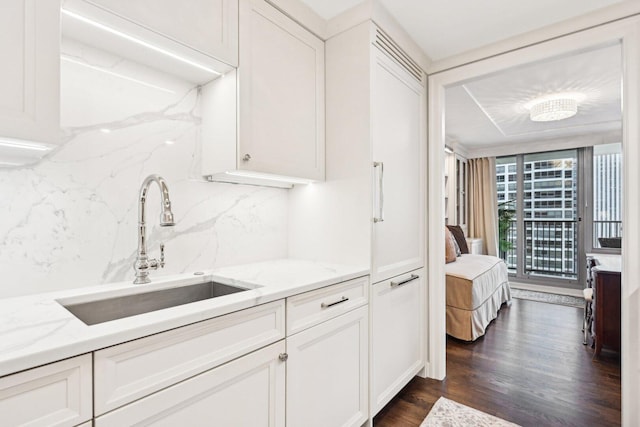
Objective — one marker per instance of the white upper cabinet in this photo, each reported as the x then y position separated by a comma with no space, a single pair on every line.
279,91
196,40
209,26
281,94
30,72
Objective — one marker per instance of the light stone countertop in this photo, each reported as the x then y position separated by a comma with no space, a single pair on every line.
36,329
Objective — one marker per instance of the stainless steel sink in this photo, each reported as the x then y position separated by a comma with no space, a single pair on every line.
104,310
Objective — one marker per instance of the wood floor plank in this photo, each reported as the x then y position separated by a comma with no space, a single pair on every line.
530,368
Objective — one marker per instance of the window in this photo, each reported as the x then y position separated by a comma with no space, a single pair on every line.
548,211
607,196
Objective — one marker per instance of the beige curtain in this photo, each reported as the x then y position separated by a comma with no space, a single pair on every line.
483,203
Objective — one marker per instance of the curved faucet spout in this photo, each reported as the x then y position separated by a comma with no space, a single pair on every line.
143,264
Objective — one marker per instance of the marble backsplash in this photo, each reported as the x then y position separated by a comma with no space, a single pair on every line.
71,220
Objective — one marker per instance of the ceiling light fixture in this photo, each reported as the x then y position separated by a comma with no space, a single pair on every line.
554,107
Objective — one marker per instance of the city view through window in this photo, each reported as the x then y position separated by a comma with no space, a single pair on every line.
548,215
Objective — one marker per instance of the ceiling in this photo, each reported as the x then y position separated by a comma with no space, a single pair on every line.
489,111
444,28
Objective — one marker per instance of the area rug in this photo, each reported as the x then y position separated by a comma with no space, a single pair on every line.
447,413
547,297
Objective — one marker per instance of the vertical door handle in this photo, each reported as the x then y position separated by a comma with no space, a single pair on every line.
380,216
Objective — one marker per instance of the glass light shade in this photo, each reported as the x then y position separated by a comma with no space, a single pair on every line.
553,109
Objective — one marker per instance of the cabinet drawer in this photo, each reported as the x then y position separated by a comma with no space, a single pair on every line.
311,308
135,369
58,394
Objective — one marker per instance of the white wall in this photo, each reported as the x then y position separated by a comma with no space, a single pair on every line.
71,220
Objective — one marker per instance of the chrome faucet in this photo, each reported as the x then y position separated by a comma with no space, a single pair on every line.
143,264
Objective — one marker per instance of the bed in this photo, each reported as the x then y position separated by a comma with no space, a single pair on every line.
477,286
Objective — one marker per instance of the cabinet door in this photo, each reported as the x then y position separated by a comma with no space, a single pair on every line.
249,391
138,368
30,72
210,26
397,349
58,394
281,92
398,115
327,373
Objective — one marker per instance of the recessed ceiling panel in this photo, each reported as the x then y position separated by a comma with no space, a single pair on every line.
501,99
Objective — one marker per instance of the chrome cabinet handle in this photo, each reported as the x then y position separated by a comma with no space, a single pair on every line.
380,217
283,357
246,157
405,281
331,304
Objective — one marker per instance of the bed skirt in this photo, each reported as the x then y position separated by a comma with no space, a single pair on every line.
468,325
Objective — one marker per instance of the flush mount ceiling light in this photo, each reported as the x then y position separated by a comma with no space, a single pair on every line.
554,107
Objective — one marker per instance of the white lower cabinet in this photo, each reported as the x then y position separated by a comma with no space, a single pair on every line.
397,350
58,394
129,371
249,391
327,373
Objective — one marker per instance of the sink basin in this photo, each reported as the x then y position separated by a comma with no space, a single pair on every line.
104,310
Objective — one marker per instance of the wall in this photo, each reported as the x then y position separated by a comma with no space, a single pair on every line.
71,220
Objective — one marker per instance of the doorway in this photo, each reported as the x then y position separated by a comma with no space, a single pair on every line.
624,32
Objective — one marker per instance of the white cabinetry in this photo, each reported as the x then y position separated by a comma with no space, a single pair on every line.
30,72
138,368
200,50
327,373
397,341
371,208
327,367
145,375
397,101
279,89
249,391
209,26
58,394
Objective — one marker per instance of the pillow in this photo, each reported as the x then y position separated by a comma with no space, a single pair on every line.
458,234
455,245
449,248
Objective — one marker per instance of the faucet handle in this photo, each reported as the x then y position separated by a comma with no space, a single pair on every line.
161,255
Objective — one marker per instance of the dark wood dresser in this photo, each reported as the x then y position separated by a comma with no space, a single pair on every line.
607,309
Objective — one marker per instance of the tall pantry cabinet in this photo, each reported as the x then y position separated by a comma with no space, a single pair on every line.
371,209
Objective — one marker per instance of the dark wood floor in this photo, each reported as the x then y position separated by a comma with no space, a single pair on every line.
530,368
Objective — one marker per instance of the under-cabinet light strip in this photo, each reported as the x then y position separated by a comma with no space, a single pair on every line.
138,41
15,143
113,73
275,178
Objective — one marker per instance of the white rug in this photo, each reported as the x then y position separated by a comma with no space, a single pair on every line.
447,413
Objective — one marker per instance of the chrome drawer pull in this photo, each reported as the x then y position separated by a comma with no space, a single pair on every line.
331,304
405,281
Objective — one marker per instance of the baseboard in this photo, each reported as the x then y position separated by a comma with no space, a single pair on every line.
548,289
